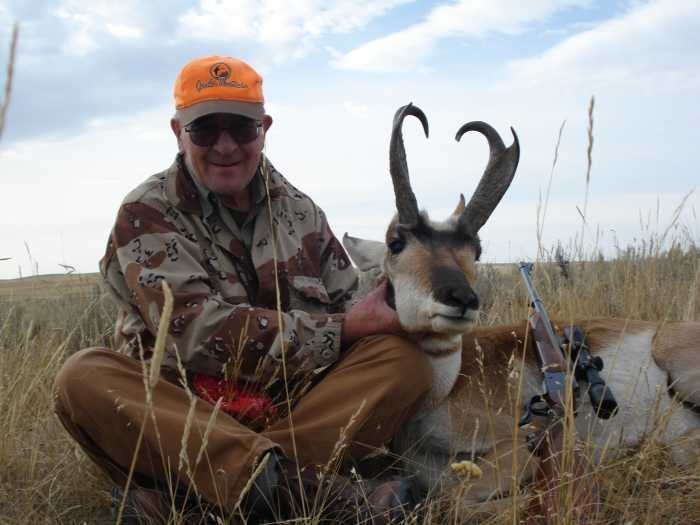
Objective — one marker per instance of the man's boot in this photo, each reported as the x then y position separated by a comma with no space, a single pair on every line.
155,507
284,491
142,506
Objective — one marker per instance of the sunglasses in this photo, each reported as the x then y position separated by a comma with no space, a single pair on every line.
206,133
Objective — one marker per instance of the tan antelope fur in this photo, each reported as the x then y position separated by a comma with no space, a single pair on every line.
482,376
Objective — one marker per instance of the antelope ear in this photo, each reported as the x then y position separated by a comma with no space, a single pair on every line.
364,253
459,210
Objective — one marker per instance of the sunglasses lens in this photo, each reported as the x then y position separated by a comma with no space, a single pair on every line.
246,132
204,135
242,131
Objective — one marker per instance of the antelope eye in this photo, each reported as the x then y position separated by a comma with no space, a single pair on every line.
397,246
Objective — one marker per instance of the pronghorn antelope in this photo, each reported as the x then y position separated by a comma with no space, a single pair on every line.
430,265
653,368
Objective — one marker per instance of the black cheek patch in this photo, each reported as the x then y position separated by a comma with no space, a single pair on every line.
476,245
390,295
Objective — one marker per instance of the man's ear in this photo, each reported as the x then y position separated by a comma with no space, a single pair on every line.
364,253
177,129
266,122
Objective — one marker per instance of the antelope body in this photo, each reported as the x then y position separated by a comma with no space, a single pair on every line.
653,369
482,376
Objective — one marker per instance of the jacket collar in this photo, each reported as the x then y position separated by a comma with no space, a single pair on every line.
180,189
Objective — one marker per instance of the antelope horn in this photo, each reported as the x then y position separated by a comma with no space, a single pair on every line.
406,203
496,179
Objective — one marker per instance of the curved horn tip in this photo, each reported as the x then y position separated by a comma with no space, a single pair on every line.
515,146
461,131
515,136
410,109
474,125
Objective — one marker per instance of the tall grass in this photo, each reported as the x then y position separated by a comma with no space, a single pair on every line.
46,479
641,282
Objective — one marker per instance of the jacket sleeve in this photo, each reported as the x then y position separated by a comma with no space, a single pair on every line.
208,332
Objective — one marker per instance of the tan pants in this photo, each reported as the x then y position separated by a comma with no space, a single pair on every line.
100,399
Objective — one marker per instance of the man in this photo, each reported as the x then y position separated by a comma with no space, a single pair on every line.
234,239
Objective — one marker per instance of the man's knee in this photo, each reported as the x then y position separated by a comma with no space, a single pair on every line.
406,364
79,378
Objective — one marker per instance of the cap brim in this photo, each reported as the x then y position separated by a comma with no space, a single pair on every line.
234,107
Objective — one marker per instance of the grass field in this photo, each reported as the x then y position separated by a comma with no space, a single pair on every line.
50,286
45,478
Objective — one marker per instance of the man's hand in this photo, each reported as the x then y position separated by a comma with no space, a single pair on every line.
371,316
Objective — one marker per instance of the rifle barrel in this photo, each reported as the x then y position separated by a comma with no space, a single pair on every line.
536,302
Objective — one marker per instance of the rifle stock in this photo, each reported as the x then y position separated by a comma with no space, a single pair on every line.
565,491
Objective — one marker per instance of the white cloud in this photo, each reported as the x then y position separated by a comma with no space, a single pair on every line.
652,42
290,28
4,14
402,51
87,22
346,16
221,20
81,40
355,109
125,31
407,50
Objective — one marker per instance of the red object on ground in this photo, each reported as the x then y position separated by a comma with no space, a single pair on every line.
244,405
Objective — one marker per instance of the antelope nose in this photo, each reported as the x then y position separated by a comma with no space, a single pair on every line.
461,297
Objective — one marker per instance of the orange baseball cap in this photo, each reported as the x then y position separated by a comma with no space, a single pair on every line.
218,84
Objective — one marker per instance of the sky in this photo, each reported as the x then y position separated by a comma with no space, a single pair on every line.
92,98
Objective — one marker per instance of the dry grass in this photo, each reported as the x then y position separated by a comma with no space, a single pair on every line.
641,283
5,103
46,479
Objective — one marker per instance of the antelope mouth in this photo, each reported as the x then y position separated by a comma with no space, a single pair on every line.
447,322
454,314
468,316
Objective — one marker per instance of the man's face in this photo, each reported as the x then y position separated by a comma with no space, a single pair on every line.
226,166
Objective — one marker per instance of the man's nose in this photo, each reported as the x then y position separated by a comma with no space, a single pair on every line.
225,142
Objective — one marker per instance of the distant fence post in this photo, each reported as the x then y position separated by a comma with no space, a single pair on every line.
8,80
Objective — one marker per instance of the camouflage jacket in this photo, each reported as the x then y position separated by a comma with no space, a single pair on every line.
225,316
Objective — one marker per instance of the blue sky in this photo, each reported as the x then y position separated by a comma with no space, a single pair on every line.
93,96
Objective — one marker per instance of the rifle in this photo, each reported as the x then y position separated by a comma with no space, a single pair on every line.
552,401
551,354
583,499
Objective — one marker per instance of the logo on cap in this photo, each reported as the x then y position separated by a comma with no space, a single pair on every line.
220,73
